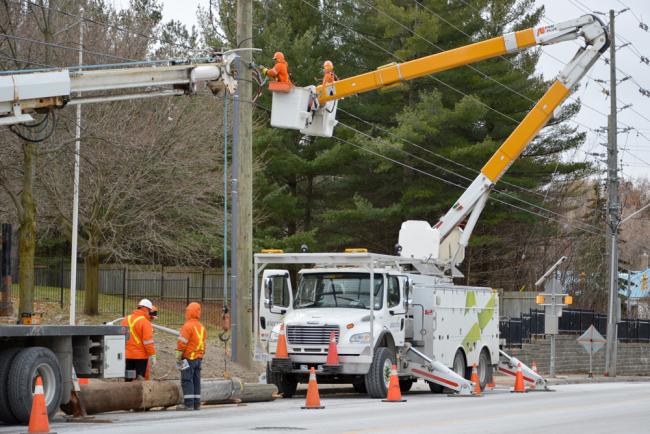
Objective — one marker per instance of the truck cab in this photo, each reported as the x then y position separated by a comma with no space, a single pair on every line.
334,300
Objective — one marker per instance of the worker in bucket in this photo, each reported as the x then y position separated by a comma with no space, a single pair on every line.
189,354
280,71
140,349
328,77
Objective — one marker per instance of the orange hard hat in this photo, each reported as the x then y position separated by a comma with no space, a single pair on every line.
278,56
328,66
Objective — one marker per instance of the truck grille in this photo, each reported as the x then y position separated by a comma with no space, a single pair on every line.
311,335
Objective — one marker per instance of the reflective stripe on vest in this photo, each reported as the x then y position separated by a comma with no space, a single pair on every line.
131,324
201,344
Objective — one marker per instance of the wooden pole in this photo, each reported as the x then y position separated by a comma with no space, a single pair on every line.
242,337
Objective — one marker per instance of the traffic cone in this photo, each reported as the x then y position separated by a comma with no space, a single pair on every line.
38,422
281,350
332,352
519,381
474,379
312,401
394,393
534,368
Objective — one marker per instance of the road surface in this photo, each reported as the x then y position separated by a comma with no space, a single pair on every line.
575,409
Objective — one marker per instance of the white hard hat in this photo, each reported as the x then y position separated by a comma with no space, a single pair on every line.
145,303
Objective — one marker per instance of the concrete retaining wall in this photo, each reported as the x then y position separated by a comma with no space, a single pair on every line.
571,357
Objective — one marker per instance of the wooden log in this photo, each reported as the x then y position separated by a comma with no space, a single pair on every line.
254,392
104,396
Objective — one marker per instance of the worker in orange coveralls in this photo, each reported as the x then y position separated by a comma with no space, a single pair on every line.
329,77
280,71
189,354
140,349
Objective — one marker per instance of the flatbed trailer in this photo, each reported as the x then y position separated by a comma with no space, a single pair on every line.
51,352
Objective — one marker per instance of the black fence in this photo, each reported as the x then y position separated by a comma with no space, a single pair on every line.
119,293
517,331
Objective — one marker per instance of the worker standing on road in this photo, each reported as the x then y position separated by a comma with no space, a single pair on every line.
189,354
140,347
280,71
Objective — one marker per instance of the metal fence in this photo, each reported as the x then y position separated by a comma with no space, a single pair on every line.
120,289
516,331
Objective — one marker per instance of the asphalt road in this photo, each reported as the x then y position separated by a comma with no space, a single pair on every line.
576,409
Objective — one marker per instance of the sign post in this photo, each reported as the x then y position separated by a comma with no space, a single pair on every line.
592,342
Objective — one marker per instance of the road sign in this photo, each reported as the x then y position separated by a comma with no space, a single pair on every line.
592,342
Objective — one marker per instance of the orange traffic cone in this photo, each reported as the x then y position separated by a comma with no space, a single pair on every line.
474,379
394,393
534,368
312,402
281,350
332,352
38,422
519,381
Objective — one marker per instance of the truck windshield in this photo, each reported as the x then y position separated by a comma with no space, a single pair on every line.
350,290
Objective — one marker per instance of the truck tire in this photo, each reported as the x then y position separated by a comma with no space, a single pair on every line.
484,368
286,383
460,364
379,373
360,387
435,387
29,363
405,385
6,357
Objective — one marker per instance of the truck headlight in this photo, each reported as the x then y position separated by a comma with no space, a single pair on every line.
360,338
273,337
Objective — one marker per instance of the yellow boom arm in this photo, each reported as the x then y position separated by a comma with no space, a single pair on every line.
394,73
417,238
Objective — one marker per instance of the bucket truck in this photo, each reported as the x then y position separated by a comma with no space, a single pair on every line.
402,309
50,351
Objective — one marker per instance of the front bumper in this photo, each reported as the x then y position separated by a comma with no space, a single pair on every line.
354,359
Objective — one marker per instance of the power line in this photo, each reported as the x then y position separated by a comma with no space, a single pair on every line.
464,177
91,20
65,47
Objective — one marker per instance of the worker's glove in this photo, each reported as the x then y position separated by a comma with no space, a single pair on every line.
264,70
153,359
179,355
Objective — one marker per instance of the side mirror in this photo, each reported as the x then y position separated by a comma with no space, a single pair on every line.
408,286
268,293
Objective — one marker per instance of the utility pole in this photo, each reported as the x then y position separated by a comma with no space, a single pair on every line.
75,199
613,212
241,335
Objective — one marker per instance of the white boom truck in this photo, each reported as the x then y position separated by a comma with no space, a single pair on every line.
50,351
403,309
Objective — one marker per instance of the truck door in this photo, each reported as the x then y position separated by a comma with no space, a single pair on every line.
395,302
276,299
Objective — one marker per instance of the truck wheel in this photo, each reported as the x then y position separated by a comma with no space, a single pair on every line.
359,387
460,364
28,364
405,385
286,383
435,387
484,368
379,374
6,357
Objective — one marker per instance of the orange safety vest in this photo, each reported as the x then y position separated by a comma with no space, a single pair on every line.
191,340
140,344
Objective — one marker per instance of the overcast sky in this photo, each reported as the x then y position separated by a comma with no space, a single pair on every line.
635,145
